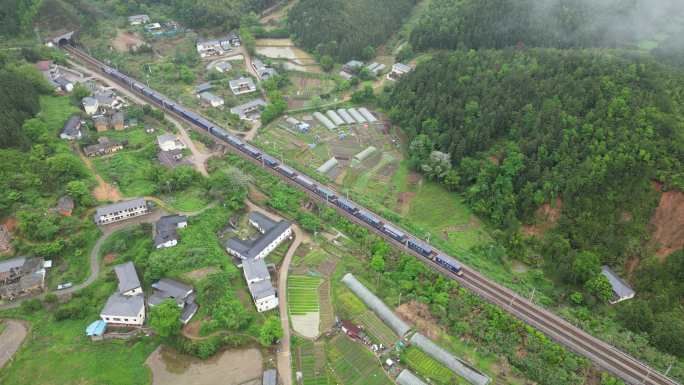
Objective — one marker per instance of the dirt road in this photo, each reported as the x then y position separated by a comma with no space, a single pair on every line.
198,158
10,340
284,357
104,191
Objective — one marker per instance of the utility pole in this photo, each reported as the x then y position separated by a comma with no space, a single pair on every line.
532,295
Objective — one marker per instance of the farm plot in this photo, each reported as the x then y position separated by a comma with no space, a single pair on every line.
376,328
303,305
312,364
427,367
352,364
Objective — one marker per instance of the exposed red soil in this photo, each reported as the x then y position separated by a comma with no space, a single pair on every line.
494,159
418,314
109,258
668,223
10,223
547,216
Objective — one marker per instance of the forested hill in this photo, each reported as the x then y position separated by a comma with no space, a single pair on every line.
526,127
344,28
544,23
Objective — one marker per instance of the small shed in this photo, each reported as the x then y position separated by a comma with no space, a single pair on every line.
361,156
327,166
335,118
65,206
345,115
356,115
324,120
621,290
270,377
367,114
96,330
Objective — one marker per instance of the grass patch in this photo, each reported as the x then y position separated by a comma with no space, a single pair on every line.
353,364
302,294
427,367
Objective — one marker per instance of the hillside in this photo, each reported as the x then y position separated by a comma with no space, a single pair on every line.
344,28
549,23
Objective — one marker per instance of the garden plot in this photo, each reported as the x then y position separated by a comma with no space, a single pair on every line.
353,364
428,367
311,363
376,328
303,305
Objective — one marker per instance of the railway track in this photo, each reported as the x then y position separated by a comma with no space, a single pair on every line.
602,354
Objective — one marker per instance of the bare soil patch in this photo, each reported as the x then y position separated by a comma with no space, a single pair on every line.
231,367
668,223
547,215
198,274
109,258
125,41
418,314
10,223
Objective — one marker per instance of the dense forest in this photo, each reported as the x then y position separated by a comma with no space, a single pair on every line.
343,29
515,129
549,23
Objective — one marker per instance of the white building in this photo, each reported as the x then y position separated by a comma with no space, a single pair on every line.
211,99
126,307
621,290
398,70
90,105
165,230
169,142
243,85
121,211
251,255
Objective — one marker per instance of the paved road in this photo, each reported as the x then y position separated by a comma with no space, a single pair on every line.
198,159
284,356
10,339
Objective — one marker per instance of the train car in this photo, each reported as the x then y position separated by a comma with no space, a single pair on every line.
369,218
326,193
305,181
285,170
234,140
269,160
394,232
419,247
252,151
347,205
219,132
449,264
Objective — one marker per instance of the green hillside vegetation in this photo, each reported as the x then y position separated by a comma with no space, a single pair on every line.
346,29
552,23
517,129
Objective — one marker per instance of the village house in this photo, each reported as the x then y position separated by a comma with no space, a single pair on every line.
104,146
121,211
204,87
65,206
250,110
398,70
72,129
21,276
126,307
350,69
101,123
138,19
263,71
242,85
350,329
169,142
211,99
166,230
376,68
222,66
234,39
90,105
213,47
117,121
250,255
182,294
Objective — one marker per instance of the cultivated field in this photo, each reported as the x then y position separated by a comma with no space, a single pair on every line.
376,328
302,294
311,362
427,367
353,364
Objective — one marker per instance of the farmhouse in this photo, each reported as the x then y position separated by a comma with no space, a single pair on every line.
251,254
296,124
168,142
398,70
165,230
263,71
182,294
138,19
121,211
211,99
242,85
117,121
376,68
350,69
126,307
104,146
350,329
250,110
222,66
621,290
65,206
21,276
72,129
213,47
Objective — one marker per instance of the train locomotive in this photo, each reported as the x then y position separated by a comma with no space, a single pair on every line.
327,194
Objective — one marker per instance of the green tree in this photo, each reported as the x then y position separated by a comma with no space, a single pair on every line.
79,191
586,266
600,287
327,63
165,318
636,315
271,331
378,263
668,333
368,53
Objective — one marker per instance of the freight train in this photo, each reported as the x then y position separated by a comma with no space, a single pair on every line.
329,195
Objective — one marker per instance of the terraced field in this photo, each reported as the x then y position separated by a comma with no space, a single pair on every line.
427,367
302,294
376,328
352,364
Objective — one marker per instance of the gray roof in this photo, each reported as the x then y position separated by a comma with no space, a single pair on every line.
105,98
238,245
270,377
269,236
408,378
209,97
264,222
72,126
10,264
367,114
401,67
124,305
353,64
188,311
166,228
621,289
128,277
459,367
89,101
203,87
172,288
262,69
261,289
119,206
356,115
237,83
224,65
374,303
255,269
65,203
243,109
